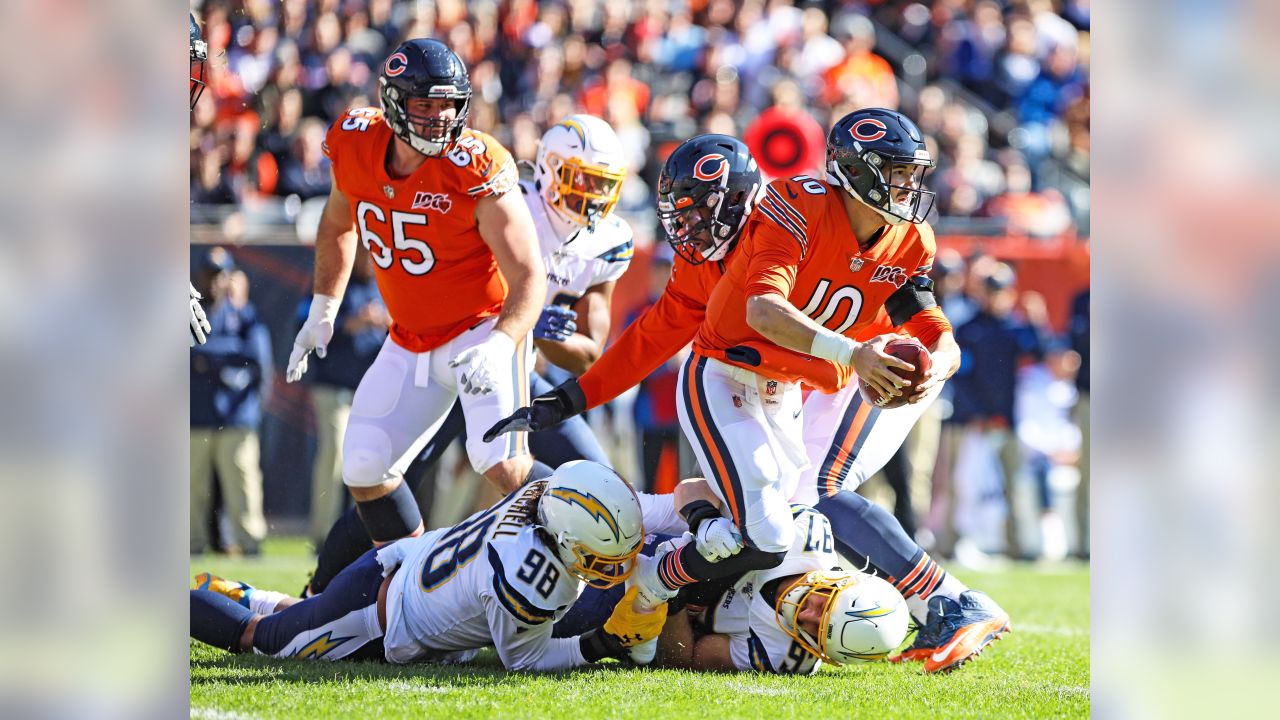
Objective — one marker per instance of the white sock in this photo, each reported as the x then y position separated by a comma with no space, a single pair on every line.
919,609
263,602
950,587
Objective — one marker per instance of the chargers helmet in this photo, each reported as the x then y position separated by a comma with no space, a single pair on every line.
424,68
579,170
878,156
864,618
199,54
706,191
594,520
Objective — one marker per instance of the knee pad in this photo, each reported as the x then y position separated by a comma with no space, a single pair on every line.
366,457
392,516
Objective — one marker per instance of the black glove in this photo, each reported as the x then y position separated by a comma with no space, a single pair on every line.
545,412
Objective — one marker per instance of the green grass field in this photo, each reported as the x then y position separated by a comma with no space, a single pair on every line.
1041,669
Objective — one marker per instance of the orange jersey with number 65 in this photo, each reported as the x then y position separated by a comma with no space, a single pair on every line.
798,244
436,274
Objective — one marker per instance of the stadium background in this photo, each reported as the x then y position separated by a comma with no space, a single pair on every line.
1000,89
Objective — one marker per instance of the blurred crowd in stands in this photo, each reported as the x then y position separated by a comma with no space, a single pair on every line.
1000,89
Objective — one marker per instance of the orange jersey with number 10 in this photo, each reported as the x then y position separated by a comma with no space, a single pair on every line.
798,244
436,274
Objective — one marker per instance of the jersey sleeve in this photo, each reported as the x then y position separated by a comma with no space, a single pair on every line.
490,169
617,258
776,244
524,647
654,338
660,515
518,598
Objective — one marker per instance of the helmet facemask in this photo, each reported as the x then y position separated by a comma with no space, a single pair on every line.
891,185
820,587
703,227
440,132
598,571
583,193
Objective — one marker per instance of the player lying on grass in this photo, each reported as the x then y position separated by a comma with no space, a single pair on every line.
707,194
502,577
788,619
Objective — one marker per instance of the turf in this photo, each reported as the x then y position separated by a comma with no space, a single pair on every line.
1041,669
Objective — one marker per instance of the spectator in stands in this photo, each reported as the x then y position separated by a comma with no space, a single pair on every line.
1049,439
970,48
1047,98
994,342
862,77
230,377
1043,214
359,331
305,171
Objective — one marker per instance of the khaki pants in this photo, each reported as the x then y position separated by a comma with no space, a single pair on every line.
1082,491
235,454
328,494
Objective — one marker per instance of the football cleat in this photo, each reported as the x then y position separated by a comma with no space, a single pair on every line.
959,630
237,591
921,647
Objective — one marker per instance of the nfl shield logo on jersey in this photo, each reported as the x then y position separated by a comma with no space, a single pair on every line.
389,191
856,264
771,387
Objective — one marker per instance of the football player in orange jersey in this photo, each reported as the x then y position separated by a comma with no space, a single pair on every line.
457,263
870,210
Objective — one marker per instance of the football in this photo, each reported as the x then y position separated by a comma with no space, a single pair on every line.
911,350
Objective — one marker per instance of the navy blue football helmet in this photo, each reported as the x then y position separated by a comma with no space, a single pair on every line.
878,156
199,54
706,192
424,68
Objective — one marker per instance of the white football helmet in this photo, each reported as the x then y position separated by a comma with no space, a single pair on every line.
864,618
579,172
595,522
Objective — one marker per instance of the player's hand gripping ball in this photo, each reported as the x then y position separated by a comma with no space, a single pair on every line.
912,351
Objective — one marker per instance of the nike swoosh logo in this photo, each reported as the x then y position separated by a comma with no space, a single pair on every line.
789,192
941,653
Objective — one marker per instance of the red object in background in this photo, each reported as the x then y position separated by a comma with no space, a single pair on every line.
786,142
912,351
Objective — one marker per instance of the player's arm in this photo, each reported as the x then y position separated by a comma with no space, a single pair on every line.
770,279
914,307
577,352
335,253
507,228
655,337
711,653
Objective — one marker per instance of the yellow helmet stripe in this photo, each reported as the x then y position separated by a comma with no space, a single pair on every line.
592,505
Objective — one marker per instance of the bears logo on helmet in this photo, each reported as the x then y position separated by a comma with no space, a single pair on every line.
396,64
856,130
721,167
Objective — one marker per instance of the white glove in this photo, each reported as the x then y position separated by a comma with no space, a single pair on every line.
315,334
482,366
718,538
200,327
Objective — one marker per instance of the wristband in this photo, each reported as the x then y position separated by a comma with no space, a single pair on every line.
830,346
698,511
